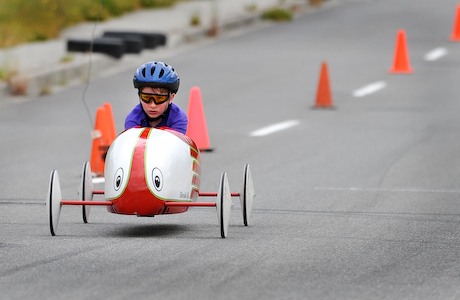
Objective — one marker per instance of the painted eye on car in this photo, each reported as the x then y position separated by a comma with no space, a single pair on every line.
118,179
157,178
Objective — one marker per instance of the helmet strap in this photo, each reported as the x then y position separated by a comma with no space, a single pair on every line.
154,119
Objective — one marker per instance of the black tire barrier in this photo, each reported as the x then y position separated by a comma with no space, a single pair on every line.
114,47
151,40
133,43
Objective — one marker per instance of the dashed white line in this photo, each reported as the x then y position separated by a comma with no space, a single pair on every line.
369,89
274,128
435,54
388,190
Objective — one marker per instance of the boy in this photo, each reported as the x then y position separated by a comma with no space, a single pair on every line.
157,84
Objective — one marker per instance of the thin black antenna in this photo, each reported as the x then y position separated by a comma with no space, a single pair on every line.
88,77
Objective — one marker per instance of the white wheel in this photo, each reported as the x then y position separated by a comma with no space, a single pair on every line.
224,205
87,190
247,195
53,202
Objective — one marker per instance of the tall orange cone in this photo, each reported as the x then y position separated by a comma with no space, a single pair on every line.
323,94
103,136
455,36
401,64
111,131
197,129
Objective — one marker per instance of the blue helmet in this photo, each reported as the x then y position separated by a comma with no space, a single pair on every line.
156,74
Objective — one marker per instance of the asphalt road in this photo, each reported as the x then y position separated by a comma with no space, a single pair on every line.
357,202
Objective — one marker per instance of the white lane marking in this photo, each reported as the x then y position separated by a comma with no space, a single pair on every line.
274,128
369,89
435,54
397,190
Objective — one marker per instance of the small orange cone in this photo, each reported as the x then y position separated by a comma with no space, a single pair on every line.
197,129
401,63
455,36
103,136
323,94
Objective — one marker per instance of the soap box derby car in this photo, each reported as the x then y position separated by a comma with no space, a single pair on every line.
150,172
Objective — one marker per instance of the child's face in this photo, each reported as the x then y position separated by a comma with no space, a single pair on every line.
155,110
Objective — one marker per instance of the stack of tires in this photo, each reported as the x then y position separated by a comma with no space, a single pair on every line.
117,43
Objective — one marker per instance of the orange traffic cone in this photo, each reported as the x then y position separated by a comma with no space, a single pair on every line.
103,136
110,122
323,94
197,129
455,36
401,63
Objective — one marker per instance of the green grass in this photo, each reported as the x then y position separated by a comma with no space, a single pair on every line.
23,21
277,14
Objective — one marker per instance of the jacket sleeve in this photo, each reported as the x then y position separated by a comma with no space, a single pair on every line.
133,119
179,121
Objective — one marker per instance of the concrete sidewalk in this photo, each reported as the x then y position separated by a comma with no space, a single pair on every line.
42,69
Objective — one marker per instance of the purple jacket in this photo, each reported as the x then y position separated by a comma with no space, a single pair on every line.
174,118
